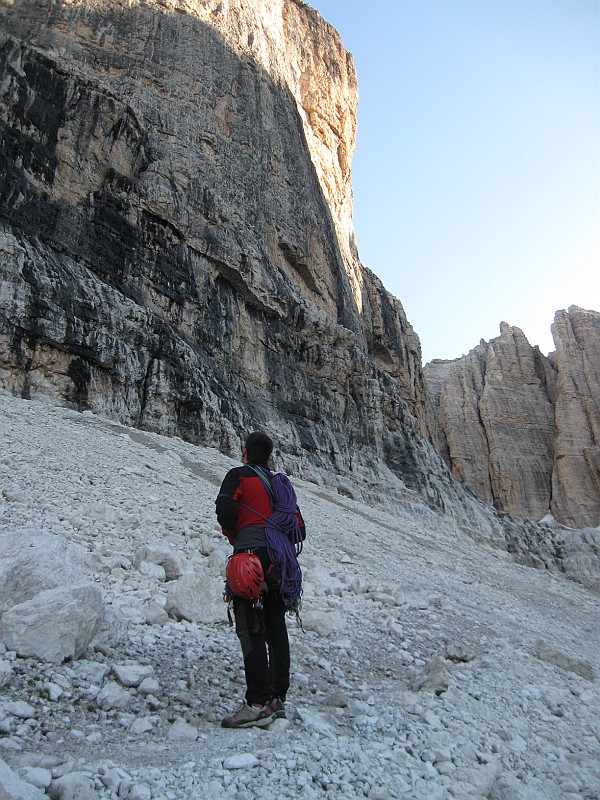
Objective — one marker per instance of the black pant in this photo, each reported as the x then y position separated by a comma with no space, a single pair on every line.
265,645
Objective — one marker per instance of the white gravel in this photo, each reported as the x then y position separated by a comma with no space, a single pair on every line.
430,667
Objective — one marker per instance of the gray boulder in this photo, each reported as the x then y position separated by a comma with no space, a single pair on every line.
31,563
113,696
13,788
73,786
161,556
197,597
54,625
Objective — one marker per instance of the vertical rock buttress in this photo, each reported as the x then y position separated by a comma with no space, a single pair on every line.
176,243
576,475
523,430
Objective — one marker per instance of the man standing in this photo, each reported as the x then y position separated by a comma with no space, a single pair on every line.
244,508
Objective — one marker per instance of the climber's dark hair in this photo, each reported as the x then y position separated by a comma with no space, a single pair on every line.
259,447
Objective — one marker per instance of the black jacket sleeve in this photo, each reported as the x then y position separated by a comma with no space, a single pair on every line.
226,507
301,524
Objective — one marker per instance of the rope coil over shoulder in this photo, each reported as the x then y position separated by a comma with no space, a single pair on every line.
282,531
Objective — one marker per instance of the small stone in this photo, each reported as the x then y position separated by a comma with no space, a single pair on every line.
338,700
153,702
569,787
279,725
20,709
168,559
456,651
182,731
53,691
139,791
319,622
62,680
435,677
112,778
214,789
140,726
379,793
241,761
10,744
131,674
445,767
113,696
155,614
92,671
5,671
149,686
155,571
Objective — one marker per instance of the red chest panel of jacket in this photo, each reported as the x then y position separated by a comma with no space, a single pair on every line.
251,492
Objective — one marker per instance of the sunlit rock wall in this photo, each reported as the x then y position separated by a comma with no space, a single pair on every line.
522,430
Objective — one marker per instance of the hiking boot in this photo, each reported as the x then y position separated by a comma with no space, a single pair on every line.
278,708
247,716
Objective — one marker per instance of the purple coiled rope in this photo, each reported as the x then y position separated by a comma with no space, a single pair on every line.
282,531
284,541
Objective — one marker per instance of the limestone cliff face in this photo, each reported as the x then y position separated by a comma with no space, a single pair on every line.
576,475
522,430
176,244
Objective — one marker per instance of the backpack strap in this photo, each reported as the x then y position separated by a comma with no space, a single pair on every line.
265,477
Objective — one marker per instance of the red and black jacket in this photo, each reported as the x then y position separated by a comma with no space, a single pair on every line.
240,486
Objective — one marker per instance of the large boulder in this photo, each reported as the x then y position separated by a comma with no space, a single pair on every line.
49,609
198,597
73,786
55,625
162,556
13,788
31,563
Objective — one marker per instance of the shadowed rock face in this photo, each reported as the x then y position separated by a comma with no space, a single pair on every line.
522,430
176,246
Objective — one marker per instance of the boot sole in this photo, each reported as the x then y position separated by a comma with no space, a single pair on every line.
251,723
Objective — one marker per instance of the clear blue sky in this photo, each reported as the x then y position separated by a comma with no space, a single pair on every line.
477,170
